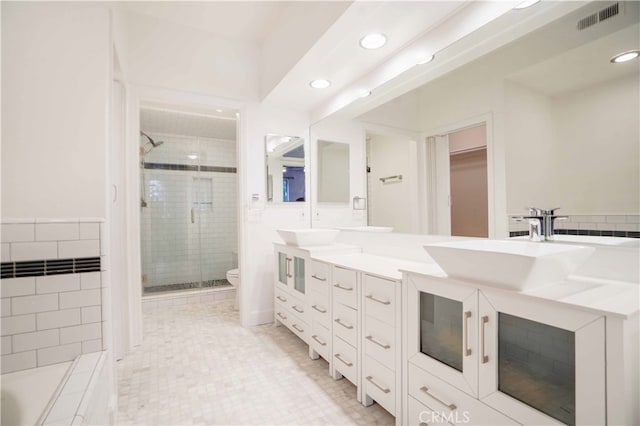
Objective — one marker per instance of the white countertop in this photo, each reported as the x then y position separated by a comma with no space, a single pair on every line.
382,266
600,295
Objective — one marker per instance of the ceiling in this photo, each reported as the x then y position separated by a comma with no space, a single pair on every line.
249,21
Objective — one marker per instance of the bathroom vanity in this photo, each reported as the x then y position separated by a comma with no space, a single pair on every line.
435,349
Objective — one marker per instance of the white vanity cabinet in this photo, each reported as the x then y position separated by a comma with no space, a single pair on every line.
381,332
290,303
345,309
477,355
319,303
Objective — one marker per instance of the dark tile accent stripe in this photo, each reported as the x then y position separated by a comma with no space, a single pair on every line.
185,286
590,232
190,168
39,268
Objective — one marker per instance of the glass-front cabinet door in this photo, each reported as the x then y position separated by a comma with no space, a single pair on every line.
283,268
541,363
443,332
298,275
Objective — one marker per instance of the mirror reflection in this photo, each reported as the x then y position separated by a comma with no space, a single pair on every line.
285,168
333,172
562,129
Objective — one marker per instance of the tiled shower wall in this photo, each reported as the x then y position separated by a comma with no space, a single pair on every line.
52,291
599,225
172,252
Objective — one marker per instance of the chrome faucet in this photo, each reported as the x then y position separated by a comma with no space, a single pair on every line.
541,223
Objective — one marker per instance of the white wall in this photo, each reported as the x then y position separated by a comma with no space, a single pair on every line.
165,55
393,203
56,72
261,219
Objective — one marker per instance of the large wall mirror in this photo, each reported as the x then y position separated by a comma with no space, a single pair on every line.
562,120
285,168
333,172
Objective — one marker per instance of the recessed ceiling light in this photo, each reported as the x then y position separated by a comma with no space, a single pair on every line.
526,4
625,56
426,60
219,110
364,93
320,84
192,156
373,41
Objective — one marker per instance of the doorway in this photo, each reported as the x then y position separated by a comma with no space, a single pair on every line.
188,220
458,192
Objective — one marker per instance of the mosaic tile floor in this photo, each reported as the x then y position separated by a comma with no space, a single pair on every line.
197,365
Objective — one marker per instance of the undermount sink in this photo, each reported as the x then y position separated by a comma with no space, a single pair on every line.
308,237
514,265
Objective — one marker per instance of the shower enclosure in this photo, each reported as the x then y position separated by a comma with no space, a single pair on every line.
188,201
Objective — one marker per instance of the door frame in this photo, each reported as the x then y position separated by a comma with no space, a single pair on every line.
136,97
495,194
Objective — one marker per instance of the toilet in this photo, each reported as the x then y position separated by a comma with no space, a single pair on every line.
233,276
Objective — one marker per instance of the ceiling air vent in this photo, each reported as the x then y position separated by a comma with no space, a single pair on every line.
594,18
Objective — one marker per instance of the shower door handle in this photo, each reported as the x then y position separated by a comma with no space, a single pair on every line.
193,216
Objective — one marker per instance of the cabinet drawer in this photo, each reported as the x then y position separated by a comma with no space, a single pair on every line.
345,287
299,327
282,296
450,402
320,339
345,323
380,384
345,360
282,313
419,414
319,277
298,308
379,298
319,308
380,342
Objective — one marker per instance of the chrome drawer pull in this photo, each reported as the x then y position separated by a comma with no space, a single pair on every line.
467,349
371,339
297,328
318,278
337,285
282,299
347,326
384,302
322,311
385,390
295,308
423,424
451,406
485,358
282,316
348,364
315,337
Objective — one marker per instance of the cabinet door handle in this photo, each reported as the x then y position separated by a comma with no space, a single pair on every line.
289,267
382,345
299,310
337,285
315,337
318,278
384,302
485,357
385,390
467,349
423,424
322,311
347,326
298,328
451,406
193,216
282,299
282,316
348,364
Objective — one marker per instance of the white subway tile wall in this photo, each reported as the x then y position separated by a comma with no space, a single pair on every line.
49,319
189,224
614,224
